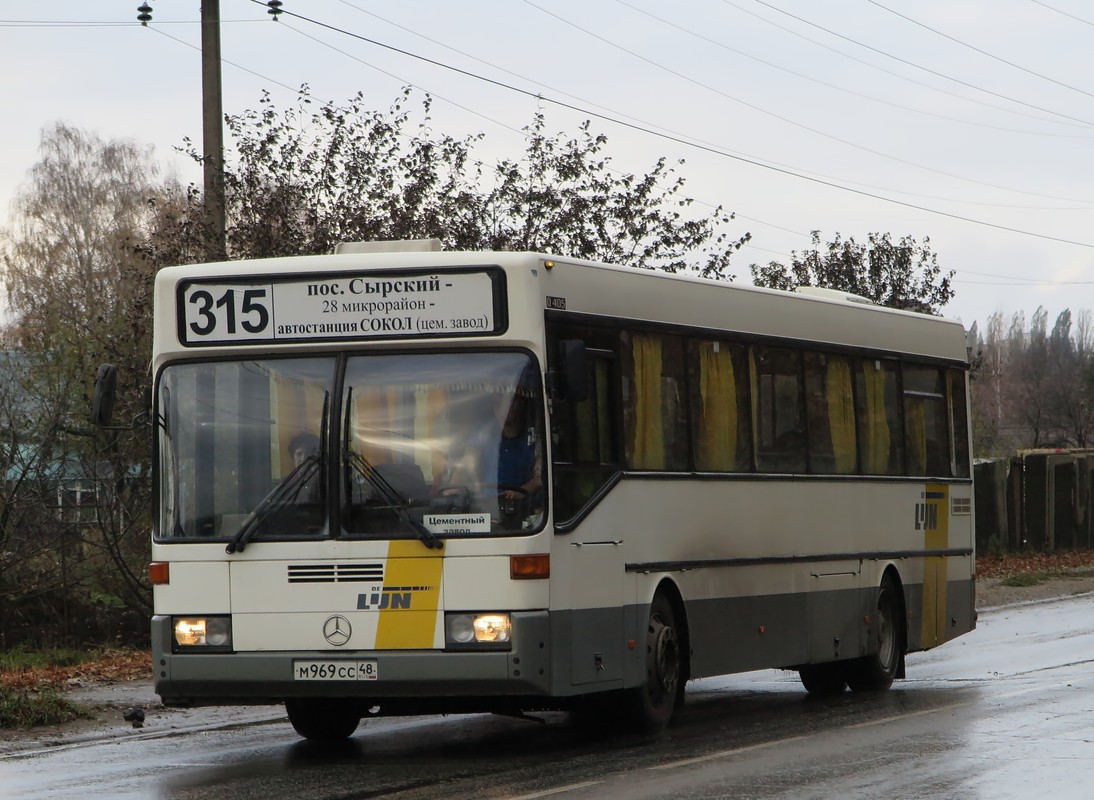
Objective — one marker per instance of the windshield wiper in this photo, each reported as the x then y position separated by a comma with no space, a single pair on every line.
391,496
285,493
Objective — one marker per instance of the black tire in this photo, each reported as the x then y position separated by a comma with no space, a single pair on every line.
323,719
876,672
652,705
823,680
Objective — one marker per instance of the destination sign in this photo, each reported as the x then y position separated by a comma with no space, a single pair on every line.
339,307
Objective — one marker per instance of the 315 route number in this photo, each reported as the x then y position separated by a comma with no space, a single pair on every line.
228,313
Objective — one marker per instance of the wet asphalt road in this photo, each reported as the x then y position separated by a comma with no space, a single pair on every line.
1006,712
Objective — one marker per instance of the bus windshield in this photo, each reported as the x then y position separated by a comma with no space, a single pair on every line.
374,446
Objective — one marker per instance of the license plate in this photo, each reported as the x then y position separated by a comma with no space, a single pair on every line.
335,671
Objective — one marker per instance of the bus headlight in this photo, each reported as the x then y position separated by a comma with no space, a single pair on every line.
207,633
493,631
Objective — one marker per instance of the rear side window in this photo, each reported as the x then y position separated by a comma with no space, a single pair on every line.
778,418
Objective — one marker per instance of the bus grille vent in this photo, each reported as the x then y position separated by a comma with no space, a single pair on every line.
336,573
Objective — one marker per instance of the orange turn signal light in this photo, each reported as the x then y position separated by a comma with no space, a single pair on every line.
159,572
530,567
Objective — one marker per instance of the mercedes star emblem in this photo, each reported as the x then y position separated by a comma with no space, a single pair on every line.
337,630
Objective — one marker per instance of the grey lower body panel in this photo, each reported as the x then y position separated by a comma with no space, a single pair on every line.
739,634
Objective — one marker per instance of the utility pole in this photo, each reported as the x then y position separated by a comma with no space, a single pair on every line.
212,129
212,114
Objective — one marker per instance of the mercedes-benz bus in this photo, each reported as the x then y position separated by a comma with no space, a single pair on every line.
394,480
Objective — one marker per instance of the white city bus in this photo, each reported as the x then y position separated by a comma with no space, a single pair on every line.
410,481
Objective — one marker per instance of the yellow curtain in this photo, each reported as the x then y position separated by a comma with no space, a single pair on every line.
292,405
374,413
422,431
649,438
877,424
841,414
717,445
437,405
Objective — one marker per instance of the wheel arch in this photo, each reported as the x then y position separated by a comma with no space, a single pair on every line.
891,574
671,591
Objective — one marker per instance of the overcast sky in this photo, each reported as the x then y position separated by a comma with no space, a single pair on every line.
970,122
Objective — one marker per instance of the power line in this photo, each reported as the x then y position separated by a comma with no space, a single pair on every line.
787,120
1084,122
679,140
772,114
671,131
843,89
1058,11
975,49
889,72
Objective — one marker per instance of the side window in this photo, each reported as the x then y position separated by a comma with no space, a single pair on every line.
718,376
654,402
926,421
959,422
778,420
584,434
877,400
830,412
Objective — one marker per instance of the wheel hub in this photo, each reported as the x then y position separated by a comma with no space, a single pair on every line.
665,664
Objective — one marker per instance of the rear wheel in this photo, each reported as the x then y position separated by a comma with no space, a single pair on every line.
323,719
876,671
653,704
823,680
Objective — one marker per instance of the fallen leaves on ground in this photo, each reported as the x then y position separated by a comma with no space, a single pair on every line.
110,667
1028,563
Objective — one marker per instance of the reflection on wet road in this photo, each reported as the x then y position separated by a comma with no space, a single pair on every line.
1004,712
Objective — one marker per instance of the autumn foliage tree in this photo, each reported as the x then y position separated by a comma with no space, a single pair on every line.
304,179
80,294
904,274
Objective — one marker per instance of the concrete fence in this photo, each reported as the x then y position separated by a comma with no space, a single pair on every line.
1037,500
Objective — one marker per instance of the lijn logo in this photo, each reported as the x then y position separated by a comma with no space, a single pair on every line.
926,513
393,597
926,516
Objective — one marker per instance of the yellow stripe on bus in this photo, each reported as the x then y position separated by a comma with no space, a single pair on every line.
416,571
936,536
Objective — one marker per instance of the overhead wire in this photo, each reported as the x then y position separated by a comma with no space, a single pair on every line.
788,120
976,49
1083,203
300,93
891,73
1064,13
680,140
1084,122
843,89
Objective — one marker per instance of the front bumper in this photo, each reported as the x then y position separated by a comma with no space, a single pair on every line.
451,678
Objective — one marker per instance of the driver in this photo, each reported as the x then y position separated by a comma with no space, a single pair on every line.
501,457
518,462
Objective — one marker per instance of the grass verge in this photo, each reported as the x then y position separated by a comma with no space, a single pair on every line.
32,682
26,709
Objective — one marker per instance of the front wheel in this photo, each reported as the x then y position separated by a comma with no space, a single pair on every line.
875,672
823,680
323,719
653,704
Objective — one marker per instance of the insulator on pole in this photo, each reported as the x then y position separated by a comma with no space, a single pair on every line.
145,15
275,8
